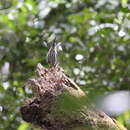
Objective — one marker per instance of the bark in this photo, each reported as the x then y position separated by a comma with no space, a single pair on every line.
59,104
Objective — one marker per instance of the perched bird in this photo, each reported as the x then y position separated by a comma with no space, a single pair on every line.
52,54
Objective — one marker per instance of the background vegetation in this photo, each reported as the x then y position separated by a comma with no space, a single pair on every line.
95,37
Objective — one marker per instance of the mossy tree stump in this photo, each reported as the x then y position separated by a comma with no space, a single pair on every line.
59,104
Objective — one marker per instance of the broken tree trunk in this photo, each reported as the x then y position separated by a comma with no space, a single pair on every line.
59,104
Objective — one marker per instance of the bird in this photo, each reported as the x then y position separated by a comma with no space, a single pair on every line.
52,54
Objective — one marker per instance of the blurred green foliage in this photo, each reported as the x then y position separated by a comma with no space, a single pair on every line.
124,118
95,38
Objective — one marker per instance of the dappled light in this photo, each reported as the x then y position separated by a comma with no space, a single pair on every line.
93,49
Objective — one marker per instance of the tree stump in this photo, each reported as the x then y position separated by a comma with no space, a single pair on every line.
59,104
